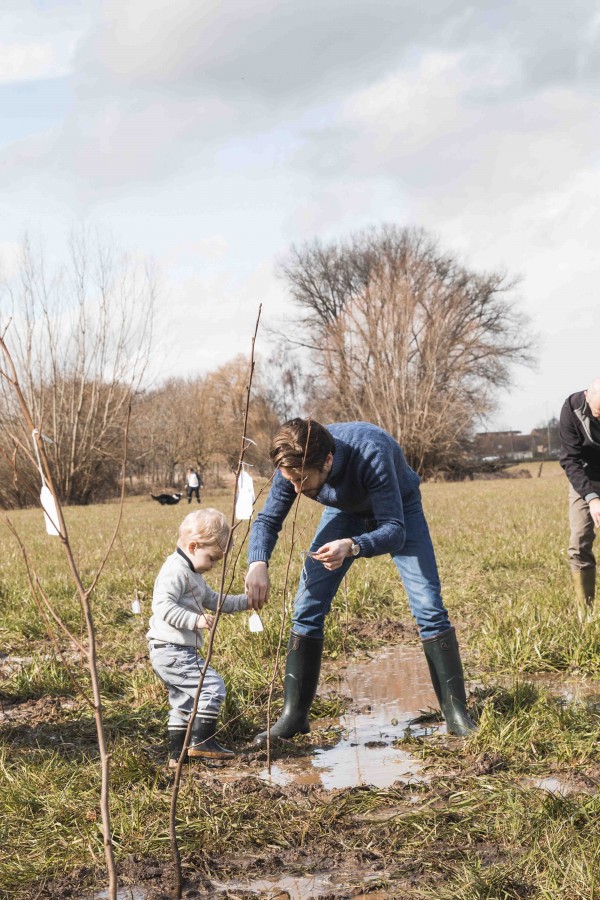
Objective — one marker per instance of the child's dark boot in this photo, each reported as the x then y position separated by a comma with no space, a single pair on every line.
203,743
176,740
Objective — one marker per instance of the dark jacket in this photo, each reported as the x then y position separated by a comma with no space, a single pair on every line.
369,478
580,445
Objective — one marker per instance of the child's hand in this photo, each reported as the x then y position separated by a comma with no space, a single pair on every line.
205,620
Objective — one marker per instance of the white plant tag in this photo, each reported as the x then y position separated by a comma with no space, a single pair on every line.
244,503
50,511
254,623
136,607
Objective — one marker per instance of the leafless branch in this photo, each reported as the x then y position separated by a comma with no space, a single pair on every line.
175,853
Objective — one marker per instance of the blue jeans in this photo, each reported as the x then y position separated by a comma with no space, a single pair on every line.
415,562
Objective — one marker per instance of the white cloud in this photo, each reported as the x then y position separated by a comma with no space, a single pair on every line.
10,252
432,127
30,61
217,133
205,320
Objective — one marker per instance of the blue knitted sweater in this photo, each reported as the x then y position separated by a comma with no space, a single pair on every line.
370,478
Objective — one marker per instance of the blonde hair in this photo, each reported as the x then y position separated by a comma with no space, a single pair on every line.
208,527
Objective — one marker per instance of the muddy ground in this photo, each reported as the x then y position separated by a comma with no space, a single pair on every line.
367,754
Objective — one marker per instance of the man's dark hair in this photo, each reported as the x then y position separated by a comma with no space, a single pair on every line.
301,444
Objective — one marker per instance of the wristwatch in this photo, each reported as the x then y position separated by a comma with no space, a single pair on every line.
354,549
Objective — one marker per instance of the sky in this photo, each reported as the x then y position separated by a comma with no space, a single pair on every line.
211,135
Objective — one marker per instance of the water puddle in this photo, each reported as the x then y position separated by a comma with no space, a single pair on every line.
571,690
301,887
287,887
559,787
551,785
126,893
387,692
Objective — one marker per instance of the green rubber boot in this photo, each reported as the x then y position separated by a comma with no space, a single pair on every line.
585,588
445,668
302,669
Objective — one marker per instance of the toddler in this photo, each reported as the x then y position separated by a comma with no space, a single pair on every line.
180,598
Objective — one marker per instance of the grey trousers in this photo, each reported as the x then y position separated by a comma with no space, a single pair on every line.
581,542
179,668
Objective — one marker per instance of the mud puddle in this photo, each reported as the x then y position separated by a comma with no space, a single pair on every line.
126,893
300,888
287,887
387,693
560,786
569,689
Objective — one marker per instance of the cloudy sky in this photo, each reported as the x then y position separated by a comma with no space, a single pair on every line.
213,134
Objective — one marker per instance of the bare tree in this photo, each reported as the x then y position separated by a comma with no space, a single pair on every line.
171,429
284,381
405,336
197,421
81,336
55,625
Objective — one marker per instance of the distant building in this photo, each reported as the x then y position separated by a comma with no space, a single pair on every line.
492,445
502,445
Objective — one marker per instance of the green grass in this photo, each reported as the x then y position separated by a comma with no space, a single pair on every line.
501,551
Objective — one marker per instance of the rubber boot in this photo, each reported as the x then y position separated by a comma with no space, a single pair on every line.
176,739
302,669
585,587
203,743
445,668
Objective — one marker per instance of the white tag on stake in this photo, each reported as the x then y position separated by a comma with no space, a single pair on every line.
254,623
50,511
244,503
46,496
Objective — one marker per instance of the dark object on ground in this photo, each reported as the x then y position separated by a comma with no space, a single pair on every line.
166,499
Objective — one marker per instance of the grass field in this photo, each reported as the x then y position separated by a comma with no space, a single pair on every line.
478,829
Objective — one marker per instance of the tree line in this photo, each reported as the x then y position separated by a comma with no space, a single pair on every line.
384,326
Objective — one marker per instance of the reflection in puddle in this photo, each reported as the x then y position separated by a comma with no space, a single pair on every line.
387,692
569,689
301,887
294,888
552,785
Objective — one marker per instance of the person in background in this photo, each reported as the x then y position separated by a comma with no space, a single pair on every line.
194,483
580,458
373,507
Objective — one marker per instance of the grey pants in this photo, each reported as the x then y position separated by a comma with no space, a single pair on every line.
580,550
179,668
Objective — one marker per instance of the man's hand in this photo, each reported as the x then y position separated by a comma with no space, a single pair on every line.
333,554
257,584
594,506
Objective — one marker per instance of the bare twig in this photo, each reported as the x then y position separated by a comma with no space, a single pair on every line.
120,514
36,589
84,600
176,855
